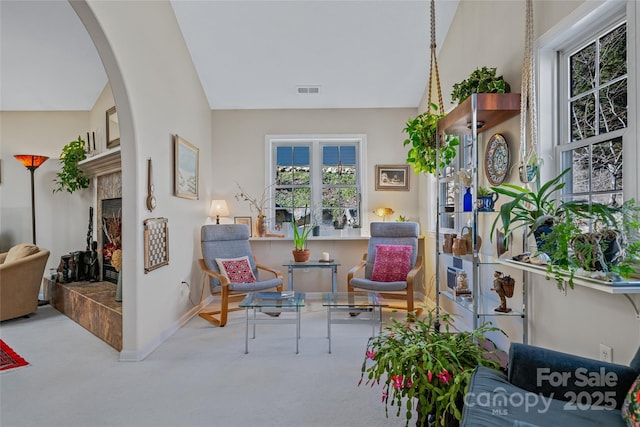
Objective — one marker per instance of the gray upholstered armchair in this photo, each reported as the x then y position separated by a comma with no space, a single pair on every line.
396,279
224,247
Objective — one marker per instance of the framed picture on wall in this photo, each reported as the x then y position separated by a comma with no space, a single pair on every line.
185,169
392,177
113,129
246,220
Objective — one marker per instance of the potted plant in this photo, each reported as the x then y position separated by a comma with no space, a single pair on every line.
482,80
486,199
71,177
610,251
300,236
529,170
535,209
423,140
300,252
418,364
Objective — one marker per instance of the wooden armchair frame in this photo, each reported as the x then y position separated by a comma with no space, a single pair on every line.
406,294
229,296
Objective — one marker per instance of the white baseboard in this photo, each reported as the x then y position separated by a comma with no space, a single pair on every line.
139,355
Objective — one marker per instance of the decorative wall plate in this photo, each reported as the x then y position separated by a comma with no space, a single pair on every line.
496,159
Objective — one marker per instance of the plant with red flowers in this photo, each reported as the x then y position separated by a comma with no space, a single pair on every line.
417,363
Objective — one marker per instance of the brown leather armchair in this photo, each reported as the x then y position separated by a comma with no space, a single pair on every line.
21,272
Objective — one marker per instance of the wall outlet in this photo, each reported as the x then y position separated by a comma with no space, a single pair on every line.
606,353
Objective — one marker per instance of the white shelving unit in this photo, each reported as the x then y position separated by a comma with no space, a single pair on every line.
477,114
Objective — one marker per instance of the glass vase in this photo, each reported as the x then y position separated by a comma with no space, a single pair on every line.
467,201
261,226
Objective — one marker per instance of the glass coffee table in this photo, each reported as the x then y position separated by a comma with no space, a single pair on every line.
333,265
360,307
272,304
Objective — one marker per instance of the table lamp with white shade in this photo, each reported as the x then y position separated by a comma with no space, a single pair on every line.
218,208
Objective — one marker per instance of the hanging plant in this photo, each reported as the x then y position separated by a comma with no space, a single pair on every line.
423,139
71,177
482,80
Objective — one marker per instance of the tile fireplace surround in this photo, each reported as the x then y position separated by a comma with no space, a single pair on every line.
92,304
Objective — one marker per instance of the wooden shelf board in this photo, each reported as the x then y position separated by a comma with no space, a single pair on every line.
493,108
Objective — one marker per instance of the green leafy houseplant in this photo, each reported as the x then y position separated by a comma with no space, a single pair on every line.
483,80
71,177
483,191
423,140
300,237
611,249
532,208
416,363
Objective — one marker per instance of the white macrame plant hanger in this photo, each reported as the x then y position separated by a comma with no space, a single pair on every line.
528,114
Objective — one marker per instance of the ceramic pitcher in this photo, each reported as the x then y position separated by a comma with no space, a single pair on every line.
459,247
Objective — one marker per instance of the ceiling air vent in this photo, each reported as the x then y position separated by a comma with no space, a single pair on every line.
305,90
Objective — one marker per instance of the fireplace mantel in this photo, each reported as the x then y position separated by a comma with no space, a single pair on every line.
102,164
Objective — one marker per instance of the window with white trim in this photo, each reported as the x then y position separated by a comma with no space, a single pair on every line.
316,180
593,84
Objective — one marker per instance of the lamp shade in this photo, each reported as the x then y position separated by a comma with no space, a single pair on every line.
31,161
383,211
218,208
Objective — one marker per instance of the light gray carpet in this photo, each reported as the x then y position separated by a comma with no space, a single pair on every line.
198,377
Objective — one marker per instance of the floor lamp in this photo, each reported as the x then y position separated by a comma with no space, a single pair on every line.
32,163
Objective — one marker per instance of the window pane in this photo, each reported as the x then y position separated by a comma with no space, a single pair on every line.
338,164
611,199
581,172
284,170
349,197
613,107
583,70
284,198
607,165
583,117
301,197
613,54
301,176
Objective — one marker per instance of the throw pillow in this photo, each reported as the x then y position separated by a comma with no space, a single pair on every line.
392,263
20,251
631,405
237,270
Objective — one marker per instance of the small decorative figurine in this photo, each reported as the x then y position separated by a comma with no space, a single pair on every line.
462,284
93,269
503,285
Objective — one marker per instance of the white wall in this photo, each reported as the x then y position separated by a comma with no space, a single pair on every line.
61,218
157,94
239,139
583,318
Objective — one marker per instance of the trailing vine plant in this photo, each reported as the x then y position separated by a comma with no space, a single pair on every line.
423,140
71,178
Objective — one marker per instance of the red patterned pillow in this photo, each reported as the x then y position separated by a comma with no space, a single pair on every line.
392,263
237,270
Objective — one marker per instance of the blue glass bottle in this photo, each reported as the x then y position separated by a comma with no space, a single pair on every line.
467,201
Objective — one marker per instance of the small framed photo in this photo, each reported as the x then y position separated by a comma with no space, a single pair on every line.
113,129
392,177
243,220
185,169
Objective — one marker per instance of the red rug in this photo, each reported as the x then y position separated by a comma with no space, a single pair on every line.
9,359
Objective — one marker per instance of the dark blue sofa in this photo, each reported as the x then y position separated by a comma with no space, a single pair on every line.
548,388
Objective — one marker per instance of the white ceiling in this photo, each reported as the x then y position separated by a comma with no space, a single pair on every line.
248,54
